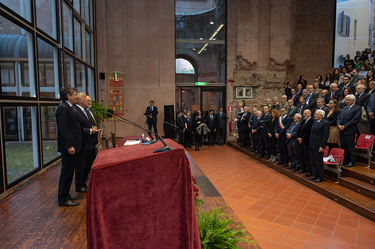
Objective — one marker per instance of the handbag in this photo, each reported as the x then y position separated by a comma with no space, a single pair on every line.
364,117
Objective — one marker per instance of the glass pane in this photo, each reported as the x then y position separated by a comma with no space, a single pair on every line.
46,16
87,12
77,38
77,5
48,70
190,99
88,48
69,70
81,77
21,141
21,7
91,83
49,138
17,60
211,100
184,66
68,26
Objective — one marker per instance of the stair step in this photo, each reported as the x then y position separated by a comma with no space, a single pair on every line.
360,172
358,186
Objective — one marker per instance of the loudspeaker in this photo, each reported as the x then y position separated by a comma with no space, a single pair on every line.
169,131
102,76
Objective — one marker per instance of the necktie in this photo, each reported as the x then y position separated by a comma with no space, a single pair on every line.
211,118
90,117
294,125
314,125
220,114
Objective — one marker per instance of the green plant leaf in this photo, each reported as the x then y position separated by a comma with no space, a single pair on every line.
100,110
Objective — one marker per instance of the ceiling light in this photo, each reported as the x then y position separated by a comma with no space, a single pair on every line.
211,23
193,48
200,38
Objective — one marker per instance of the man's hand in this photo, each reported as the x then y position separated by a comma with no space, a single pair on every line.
371,114
94,130
277,135
288,135
321,149
214,130
269,134
71,151
253,131
341,127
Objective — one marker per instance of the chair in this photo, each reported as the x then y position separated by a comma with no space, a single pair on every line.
114,145
338,155
326,150
366,142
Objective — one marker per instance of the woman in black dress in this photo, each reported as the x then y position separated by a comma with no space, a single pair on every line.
302,81
345,92
331,117
197,137
271,133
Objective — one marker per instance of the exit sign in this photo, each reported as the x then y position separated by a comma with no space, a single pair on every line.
200,83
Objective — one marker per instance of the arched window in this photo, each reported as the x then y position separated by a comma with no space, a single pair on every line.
184,66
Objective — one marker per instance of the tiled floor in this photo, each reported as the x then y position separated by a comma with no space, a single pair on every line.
279,212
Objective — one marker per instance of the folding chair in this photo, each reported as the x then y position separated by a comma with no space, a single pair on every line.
338,155
366,142
326,150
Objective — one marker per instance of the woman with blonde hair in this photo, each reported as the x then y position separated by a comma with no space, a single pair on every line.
331,117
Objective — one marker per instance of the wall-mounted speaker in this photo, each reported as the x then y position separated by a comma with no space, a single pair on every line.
102,76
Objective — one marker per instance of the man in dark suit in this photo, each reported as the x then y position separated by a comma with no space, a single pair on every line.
346,83
302,105
255,132
69,144
244,128
295,97
87,154
299,90
303,139
294,147
333,94
280,133
347,122
311,99
288,89
93,118
221,121
181,127
361,98
211,124
318,141
189,131
292,110
252,122
263,134
151,113
320,106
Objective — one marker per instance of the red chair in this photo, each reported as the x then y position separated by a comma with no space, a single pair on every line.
326,150
338,155
366,142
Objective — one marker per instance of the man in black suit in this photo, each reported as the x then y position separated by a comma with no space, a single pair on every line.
280,133
294,147
151,113
295,97
302,105
303,139
189,131
320,106
87,154
347,122
69,144
92,116
311,99
181,127
346,83
318,141
361,98
263,134
211,124
333,94
255,131
288,89
299,90
244,128
291,110
221,121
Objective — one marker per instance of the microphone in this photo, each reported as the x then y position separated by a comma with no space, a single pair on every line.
165,148
110,111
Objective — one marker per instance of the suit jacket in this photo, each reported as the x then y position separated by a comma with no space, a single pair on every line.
180,124
88,139
221,121
305,130
363,100
294,133
328,98
332,119
252,120
244,123
256,124
318,92
295,99
154,112
343,86
291,111
282,130
312,102
189,126
301,108
211,124
371,103
288,92
319,134
264,121
323,108
97,122
276,106
355,79
69,131
349,119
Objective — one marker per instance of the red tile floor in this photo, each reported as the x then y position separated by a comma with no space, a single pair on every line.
277,211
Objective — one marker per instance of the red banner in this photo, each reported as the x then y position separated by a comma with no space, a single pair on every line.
116,97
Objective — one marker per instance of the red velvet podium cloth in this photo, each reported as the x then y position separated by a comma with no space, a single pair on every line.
140,199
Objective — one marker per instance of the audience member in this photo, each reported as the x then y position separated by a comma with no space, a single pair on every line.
263,135
292,110
331,116
346,83
189,131
283,124
221,120
302,105
252,122
276,104
320,105
271,133
181,128
344,72
333,94
342,101
320,78
255,132
294,146
324,92
211,124
288,89
328,81
370,77
355,78
269,104
311,99
302,82
361,97
303,139
244,128
317,90
197,137
284,102
295,97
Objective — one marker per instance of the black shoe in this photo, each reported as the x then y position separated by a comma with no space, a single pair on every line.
74,197
279,164
285,165
256,152
312,178
318,180
209,145
297,169
221,144
349,165
290,167
268,157
69,203
308,175
252,150
82,190
239,144
189,146
301,171
260,156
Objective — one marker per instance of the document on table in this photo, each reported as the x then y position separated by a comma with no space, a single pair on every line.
132,142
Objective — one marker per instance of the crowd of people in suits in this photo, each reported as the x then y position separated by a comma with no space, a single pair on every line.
295,130
193,127
77,128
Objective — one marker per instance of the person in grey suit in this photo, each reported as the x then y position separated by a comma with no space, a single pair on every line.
318,141
92,116
347,124
221,118
294,146
320,105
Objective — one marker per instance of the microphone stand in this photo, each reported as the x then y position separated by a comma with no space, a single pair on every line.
165,148
165,122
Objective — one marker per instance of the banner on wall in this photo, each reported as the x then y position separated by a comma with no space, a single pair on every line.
116,92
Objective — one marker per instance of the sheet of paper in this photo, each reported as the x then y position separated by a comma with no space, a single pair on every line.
329,158
132,142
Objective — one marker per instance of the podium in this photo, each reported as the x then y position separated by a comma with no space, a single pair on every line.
140,199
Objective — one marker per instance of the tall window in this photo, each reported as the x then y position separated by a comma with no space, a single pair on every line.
37,59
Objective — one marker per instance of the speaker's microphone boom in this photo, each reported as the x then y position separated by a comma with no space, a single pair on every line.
165,148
